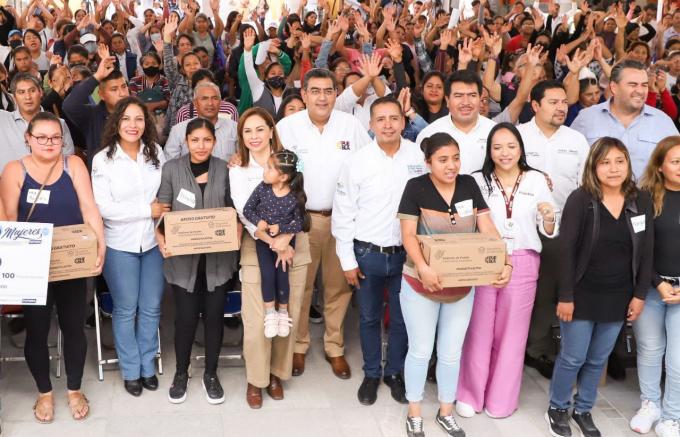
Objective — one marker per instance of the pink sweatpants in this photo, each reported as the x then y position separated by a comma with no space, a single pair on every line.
493,353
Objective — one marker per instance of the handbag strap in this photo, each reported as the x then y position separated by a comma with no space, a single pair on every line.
42,187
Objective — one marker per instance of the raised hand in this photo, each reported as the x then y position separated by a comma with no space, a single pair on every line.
533,54
404,99
418,28
445,38
158,45
370,66
493,43
306,41
395,50
465,53
171,25
248,39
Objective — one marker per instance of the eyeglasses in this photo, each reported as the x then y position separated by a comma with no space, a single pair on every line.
318,91
56,140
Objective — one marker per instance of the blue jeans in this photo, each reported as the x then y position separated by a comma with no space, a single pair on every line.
584,350
424,318
657,323
382,272
136,283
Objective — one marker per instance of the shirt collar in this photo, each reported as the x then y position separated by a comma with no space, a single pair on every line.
477,123
119,153
538,130
18,117
607,106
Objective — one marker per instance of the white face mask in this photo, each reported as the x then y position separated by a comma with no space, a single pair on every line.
155,37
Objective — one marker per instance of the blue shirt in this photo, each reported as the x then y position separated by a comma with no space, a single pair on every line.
640,137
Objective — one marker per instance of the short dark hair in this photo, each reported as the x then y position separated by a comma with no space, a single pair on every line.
538,91
200,49
78,50
431,144
20,49
319,73
201,74
350,74
387,100
24,77
464,76
618,68
43,116
650,8
115,74
33,32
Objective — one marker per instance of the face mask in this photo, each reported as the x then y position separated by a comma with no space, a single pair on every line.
155,37
276,82
151,71
91,47
15,43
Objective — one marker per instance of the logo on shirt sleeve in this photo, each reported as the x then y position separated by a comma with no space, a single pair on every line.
342,145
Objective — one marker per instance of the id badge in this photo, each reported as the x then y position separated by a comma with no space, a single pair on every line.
32,194
509,244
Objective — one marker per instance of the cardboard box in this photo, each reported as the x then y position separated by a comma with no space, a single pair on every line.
200,231
74,253
462,260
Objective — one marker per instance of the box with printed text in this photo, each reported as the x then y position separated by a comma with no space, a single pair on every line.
200,231
74,253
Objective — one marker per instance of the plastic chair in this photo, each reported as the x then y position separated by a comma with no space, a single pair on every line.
11,312
104,308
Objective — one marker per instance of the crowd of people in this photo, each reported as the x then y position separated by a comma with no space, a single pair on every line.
340,133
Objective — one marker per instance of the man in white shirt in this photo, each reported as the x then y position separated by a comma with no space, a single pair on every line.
207,103
323,139
464,124
368,240
560,152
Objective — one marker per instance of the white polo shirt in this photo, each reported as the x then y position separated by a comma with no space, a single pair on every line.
472,144
367,197
321,153
562,156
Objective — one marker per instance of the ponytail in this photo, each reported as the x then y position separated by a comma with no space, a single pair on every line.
288,163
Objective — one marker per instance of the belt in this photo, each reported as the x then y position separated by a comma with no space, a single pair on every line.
322,212
388,250
673,280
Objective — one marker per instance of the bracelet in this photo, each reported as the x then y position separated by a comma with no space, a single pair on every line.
410,112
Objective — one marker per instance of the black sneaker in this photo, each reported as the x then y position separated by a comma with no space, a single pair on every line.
368,391
558,422
90,322
543,364
397,388
213,389
178,390
449,425
414,427
584,422
314,315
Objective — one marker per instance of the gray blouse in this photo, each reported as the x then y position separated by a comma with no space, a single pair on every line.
181,270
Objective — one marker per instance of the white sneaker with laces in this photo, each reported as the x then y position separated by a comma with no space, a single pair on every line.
668,428
465,410
646,416
284,324
271,324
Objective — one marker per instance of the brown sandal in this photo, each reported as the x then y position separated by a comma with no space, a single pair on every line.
43,410
77,402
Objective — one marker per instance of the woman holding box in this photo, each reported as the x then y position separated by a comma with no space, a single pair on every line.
47,187
607,247
197,181
268,360
126,175
516,195
659,323
440,202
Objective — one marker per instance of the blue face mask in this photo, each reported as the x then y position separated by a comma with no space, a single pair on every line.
91,47
155,37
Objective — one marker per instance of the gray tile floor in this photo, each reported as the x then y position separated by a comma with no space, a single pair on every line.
315,404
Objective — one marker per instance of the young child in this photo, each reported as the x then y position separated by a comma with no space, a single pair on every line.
277,206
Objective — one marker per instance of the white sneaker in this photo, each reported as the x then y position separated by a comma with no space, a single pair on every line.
465,410
271,324
284,325
645,417
668,428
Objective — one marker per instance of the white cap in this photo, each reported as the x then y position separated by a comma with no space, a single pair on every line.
586,73
271,24
88,37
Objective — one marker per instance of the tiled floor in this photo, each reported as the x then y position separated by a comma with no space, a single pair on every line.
316,404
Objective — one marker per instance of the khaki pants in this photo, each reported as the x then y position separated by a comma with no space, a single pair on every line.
337,293
264,356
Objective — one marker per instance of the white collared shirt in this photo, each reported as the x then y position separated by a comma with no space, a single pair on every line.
321,153
472,144
562,156
242,183
533,189
367,197
225,130
124,190
122,63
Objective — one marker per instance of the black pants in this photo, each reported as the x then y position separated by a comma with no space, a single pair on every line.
275,285
188,308
69,297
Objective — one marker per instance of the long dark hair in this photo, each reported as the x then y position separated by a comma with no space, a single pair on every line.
287,162
418,98
110,137
598,151
489,166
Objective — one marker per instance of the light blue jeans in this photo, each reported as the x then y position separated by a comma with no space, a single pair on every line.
425,318
584,350
136,283
656,333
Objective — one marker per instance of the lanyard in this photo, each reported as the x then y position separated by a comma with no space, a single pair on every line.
511,200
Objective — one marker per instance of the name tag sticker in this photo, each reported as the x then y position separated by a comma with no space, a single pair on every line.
464,208
638,223
44,197
186,197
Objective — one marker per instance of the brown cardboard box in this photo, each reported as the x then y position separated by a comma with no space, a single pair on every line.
74,252
462,260
200,231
